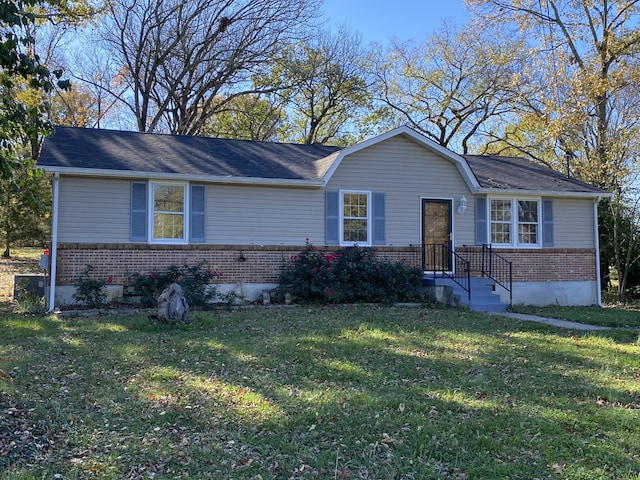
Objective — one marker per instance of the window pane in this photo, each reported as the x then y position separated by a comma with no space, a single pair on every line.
528,233
500,233
355,231
167,225
527,211
501,210
168,198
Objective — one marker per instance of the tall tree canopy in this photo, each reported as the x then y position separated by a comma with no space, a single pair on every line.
585,119
184,60
328,87
454,86
585,54
21,69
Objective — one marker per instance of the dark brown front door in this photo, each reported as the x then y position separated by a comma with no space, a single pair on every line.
436,234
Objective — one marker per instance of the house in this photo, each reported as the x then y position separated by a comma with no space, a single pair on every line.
127,202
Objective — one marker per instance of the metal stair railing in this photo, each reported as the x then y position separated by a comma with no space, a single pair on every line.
488,263
437,258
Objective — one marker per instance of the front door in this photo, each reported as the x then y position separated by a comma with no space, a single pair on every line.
436,234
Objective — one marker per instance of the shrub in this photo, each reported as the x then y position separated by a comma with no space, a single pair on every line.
29,302
193,279
353,274
90,291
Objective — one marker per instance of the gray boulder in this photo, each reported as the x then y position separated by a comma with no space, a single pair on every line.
172,306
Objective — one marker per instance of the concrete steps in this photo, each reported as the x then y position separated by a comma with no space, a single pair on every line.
483,296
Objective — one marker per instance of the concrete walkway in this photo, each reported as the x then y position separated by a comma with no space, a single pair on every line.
553,321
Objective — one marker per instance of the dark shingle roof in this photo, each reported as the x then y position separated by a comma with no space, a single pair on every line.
514,173
124,151
88,148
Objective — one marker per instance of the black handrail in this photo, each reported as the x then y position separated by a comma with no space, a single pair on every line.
500,270
437,259
484,260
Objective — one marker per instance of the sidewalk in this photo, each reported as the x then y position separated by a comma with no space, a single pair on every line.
553,321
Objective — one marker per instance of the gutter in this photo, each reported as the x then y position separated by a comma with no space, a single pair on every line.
54,243
597,243
543,193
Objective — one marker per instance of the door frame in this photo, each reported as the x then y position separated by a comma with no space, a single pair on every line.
451,203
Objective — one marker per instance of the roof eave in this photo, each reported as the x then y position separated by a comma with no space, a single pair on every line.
229,180
543,193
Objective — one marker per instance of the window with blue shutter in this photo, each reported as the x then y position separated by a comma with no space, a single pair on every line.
139,205
197,216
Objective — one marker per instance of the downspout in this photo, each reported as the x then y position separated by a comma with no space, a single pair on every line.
54,242
597,243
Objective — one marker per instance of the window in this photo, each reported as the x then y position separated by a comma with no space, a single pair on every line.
501,221
167,212
168,206
527,222
355,218
514,222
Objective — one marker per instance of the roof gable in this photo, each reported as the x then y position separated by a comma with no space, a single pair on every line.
406,132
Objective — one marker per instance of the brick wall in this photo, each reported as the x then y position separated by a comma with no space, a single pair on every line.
249,264
256,264
549,264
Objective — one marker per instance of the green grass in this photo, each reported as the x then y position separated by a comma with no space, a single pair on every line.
340,392
609,316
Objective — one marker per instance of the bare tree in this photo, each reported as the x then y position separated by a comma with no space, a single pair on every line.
452,86
328,86
184,60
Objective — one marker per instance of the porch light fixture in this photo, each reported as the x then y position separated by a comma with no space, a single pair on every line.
241,258
463,205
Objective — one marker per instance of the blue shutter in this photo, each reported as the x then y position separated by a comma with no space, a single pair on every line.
378,219
332,218
547,223
138,232
481,220
196,219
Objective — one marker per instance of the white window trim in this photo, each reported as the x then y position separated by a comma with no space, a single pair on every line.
369,219
514,222
185,233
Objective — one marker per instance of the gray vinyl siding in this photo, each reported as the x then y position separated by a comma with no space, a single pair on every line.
94,210
573,223
238,215
98,211
407,172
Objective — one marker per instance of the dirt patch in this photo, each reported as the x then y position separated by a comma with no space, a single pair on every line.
25,262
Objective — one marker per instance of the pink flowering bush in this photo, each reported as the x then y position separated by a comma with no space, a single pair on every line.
350,275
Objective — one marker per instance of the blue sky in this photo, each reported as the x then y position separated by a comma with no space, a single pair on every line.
380,20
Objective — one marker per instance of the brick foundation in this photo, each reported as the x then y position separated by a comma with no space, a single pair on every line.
549,264
247,264
262,264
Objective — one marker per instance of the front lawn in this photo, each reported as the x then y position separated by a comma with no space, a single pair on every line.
332,393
